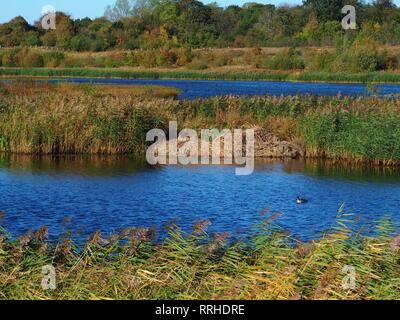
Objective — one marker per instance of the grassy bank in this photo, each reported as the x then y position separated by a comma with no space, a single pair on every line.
360,58
269,265
93,119
362,77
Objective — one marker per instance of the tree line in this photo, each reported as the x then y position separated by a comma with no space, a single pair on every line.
152,24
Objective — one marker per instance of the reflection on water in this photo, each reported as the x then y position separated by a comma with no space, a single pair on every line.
84,165
348,171
110,193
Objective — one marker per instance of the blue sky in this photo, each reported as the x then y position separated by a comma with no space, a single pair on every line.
31,9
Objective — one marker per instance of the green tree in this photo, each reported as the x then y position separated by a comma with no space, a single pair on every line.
64,31
326,10
121,9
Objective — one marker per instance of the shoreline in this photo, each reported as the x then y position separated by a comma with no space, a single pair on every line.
358,163
179,74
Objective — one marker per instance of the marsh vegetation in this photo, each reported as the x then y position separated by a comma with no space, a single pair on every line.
271,264
65,118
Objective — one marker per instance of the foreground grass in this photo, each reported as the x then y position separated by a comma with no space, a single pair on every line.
365,77
269,265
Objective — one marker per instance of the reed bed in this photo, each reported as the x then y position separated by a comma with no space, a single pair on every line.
363,129
143,74
49,119
309,76
269,264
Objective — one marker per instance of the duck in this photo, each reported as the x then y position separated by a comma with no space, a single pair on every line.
300,200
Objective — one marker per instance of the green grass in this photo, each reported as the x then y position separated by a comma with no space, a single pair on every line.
101,73
368,77
271,264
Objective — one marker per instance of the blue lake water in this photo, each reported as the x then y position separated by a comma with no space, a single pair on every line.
110,193
192,89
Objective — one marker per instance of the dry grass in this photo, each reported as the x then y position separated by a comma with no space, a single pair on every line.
49,119
31,88
269,265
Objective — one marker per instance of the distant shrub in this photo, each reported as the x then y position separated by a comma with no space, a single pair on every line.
10,58
221,60
197,65
115,59
97,45
32,59
49,39
252,57
72,62
165,58
147,58
370,60
53,59
391,62
98,62
288,60
320,61
131,59
183,56
80,43
32,39
363,59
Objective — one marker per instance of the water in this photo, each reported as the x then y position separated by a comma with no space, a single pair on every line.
110,193
192,89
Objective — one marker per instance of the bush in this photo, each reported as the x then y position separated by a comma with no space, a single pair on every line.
115,59
391,62
49,39
370,60
289,60
252,57
98,62
53,59
80,43
363,59
183,56
71,62
165,58
147,58
197,65
320,61
221,60
131,59
32,59
32,40
10,58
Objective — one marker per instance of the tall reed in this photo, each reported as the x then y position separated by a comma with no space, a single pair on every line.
271,264
363,77
85,120
93,119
